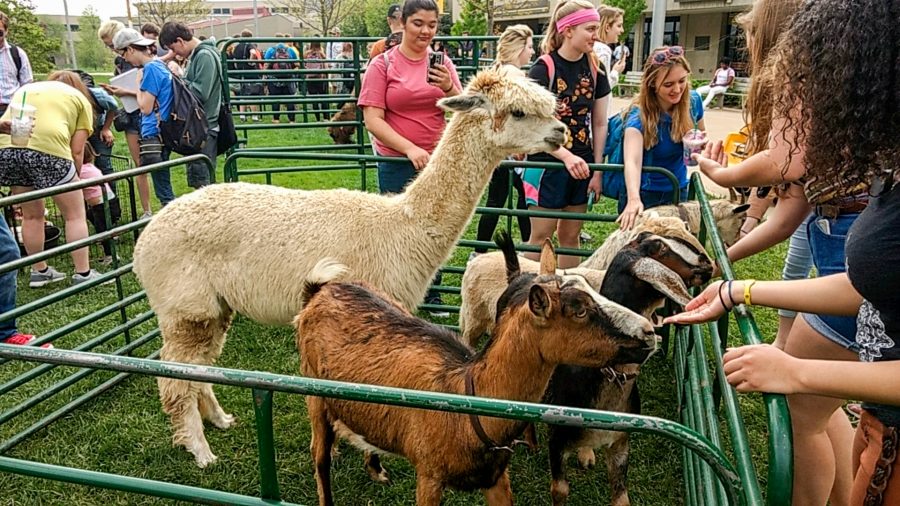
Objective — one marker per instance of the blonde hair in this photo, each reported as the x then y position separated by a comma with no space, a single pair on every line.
552,38
511,44
648,104
74,80
763,24
109,29
608,16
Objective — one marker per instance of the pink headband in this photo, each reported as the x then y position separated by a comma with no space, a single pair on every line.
577,18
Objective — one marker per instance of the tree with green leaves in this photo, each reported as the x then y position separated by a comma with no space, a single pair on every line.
26,31
159,12
472,18
375,13
89,50
633,10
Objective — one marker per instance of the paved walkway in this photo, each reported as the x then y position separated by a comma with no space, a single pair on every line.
719,123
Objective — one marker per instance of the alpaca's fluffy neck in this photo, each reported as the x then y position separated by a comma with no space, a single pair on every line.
445,193
513,368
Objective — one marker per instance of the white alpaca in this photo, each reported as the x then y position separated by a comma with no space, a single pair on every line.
249,248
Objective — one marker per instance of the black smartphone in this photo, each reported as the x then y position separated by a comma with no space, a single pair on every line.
435,59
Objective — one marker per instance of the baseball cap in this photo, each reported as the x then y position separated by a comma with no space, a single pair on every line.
130,37
393,10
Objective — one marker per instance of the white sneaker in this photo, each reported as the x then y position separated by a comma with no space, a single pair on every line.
147,214
77,279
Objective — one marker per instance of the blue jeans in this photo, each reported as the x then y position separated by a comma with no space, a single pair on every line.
9,251
826,243
393,178
653,198
797,263
153,151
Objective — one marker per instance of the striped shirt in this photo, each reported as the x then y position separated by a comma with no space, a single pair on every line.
10,80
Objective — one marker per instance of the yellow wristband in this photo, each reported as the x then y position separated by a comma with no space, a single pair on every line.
747,285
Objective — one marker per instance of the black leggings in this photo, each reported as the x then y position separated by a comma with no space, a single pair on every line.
497,194
321,108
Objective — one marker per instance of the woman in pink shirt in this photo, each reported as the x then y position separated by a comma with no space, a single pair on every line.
399,101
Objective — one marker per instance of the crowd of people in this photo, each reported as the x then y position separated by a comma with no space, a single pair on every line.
821,120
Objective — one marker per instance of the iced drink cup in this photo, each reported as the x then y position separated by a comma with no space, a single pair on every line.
694,141
22,117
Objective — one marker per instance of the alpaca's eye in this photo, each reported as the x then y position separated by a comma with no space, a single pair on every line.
518,114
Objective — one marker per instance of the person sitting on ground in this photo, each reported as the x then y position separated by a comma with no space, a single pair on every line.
720,83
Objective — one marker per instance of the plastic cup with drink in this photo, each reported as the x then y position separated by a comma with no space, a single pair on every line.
22,118
694,141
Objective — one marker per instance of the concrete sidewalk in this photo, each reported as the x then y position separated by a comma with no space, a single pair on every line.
719,123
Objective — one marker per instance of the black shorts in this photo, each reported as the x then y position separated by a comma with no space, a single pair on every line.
554,189
27,167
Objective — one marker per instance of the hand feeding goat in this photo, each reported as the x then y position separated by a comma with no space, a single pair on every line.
348,332
641,276
249,248
483,281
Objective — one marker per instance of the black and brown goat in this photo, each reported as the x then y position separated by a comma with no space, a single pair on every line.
641,276
350,332
344,134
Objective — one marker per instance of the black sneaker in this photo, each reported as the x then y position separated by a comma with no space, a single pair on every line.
435,300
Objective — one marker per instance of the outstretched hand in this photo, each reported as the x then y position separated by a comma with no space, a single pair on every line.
762,368
703,308
712,161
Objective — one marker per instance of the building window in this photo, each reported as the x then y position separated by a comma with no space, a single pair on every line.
226,10
74,28
671,30
701,43
217,11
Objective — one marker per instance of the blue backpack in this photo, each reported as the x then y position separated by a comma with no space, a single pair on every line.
614,182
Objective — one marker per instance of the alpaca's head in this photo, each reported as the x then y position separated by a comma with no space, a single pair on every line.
510,112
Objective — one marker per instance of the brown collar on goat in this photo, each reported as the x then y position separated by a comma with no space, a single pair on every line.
476,424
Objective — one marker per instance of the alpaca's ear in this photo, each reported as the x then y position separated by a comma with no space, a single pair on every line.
463,103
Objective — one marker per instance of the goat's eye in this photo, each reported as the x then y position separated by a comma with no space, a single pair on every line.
581,314
518,114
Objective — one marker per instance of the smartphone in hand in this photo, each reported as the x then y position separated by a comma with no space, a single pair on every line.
435,59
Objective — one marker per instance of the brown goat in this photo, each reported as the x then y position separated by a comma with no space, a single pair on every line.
344,134
349,332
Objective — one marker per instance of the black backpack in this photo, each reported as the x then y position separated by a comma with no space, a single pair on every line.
184,132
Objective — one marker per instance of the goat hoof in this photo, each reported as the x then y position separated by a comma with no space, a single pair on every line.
586,458
559,491
379,477
224,421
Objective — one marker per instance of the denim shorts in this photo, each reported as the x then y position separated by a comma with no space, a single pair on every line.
827,237
394,176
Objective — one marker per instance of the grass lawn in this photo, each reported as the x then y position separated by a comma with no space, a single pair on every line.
126,432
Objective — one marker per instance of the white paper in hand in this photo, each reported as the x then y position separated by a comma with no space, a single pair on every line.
128,81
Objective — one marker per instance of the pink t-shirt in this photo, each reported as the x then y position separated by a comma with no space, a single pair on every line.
90,171
409,102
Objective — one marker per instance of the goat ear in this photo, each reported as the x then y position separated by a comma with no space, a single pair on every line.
548,260
539,301
665,280
463,103
740,209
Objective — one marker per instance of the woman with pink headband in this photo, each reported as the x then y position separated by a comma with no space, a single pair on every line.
569,68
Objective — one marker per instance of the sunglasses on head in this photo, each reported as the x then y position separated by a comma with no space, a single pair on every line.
663,56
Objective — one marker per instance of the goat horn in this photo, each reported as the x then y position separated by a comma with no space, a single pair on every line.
662,278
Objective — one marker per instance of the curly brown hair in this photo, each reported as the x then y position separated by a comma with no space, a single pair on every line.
840,68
